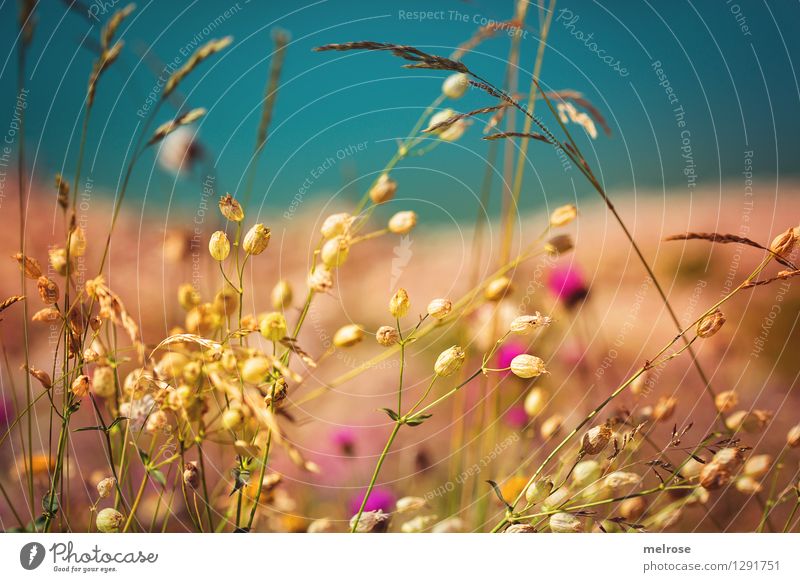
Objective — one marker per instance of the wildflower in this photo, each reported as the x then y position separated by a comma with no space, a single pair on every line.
371,522
410,504
29,266
348,336
380,499
726,401
48,290
281,295
232,418
449,361
563,215
551,426
525,324
535,401
507,352
451,132
106,487
710,324
383,190
345,440
440,308
793,436
403,222
256,240
596,439
568,285
497,288
191,475
757,466
80,386
784,244
230,208
58,260
516,417
109,520
103,382
538,491
273,326
254,370
586,472
320,280
455,86
77,242
219,246
387,336
527,366
336,225
335,251
399,303
565,523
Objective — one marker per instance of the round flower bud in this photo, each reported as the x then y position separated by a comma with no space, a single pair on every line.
596,439
219,246
586,472
793,436
281,295
109,520
371,522
403,222
347,336
565,523
230,208
80,386
256,240
77,242
449,361
336,225
455,86
527,366
633,508
551,426
726,401
48,290
563,215
538,491
254,370
784,244
335,251
387,336
757,466
232,418
497,288
106,487
103,382
440,308
399,303
273,326
535,401
383,190
191,475
710,324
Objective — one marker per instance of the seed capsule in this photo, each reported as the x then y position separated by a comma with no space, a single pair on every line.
793,436
29,266
726,401
664,408
455,86
399,303
335,251
525,324
383,190
321,280
586,473
535,401
527,366
336,224
403,222
449,361
48,290
230,208
109,520
633,508
58,260
497,288
710,324
219,246
551,427
371,522
563,215
80,386
784,243
348,336
596,439
538,491
440,308
387,336
77,242
257,239
106,487
757,466
103,382
254,370
281,295
273,326
191,475
565,523
232,418
410,504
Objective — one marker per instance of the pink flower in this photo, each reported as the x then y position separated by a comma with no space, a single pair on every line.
344,438
516,417
508,351
567,283
379,499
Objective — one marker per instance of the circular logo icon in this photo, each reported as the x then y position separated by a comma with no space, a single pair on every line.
31,555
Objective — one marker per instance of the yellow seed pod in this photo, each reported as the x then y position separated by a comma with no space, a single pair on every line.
273,326
497,288
383,190
256,240
232,419
399,303
335,251
535,401
188,297
103,382
403,222
726,401
527,366
440,308
563,215
336,225
109,520
710,324
347,336
255,369
387,336
77,242
455,86
219,246
230,208
281,295
449,361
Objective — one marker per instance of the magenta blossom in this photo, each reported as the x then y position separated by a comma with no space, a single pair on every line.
508,351
344,438
516,417
379,499
568,284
